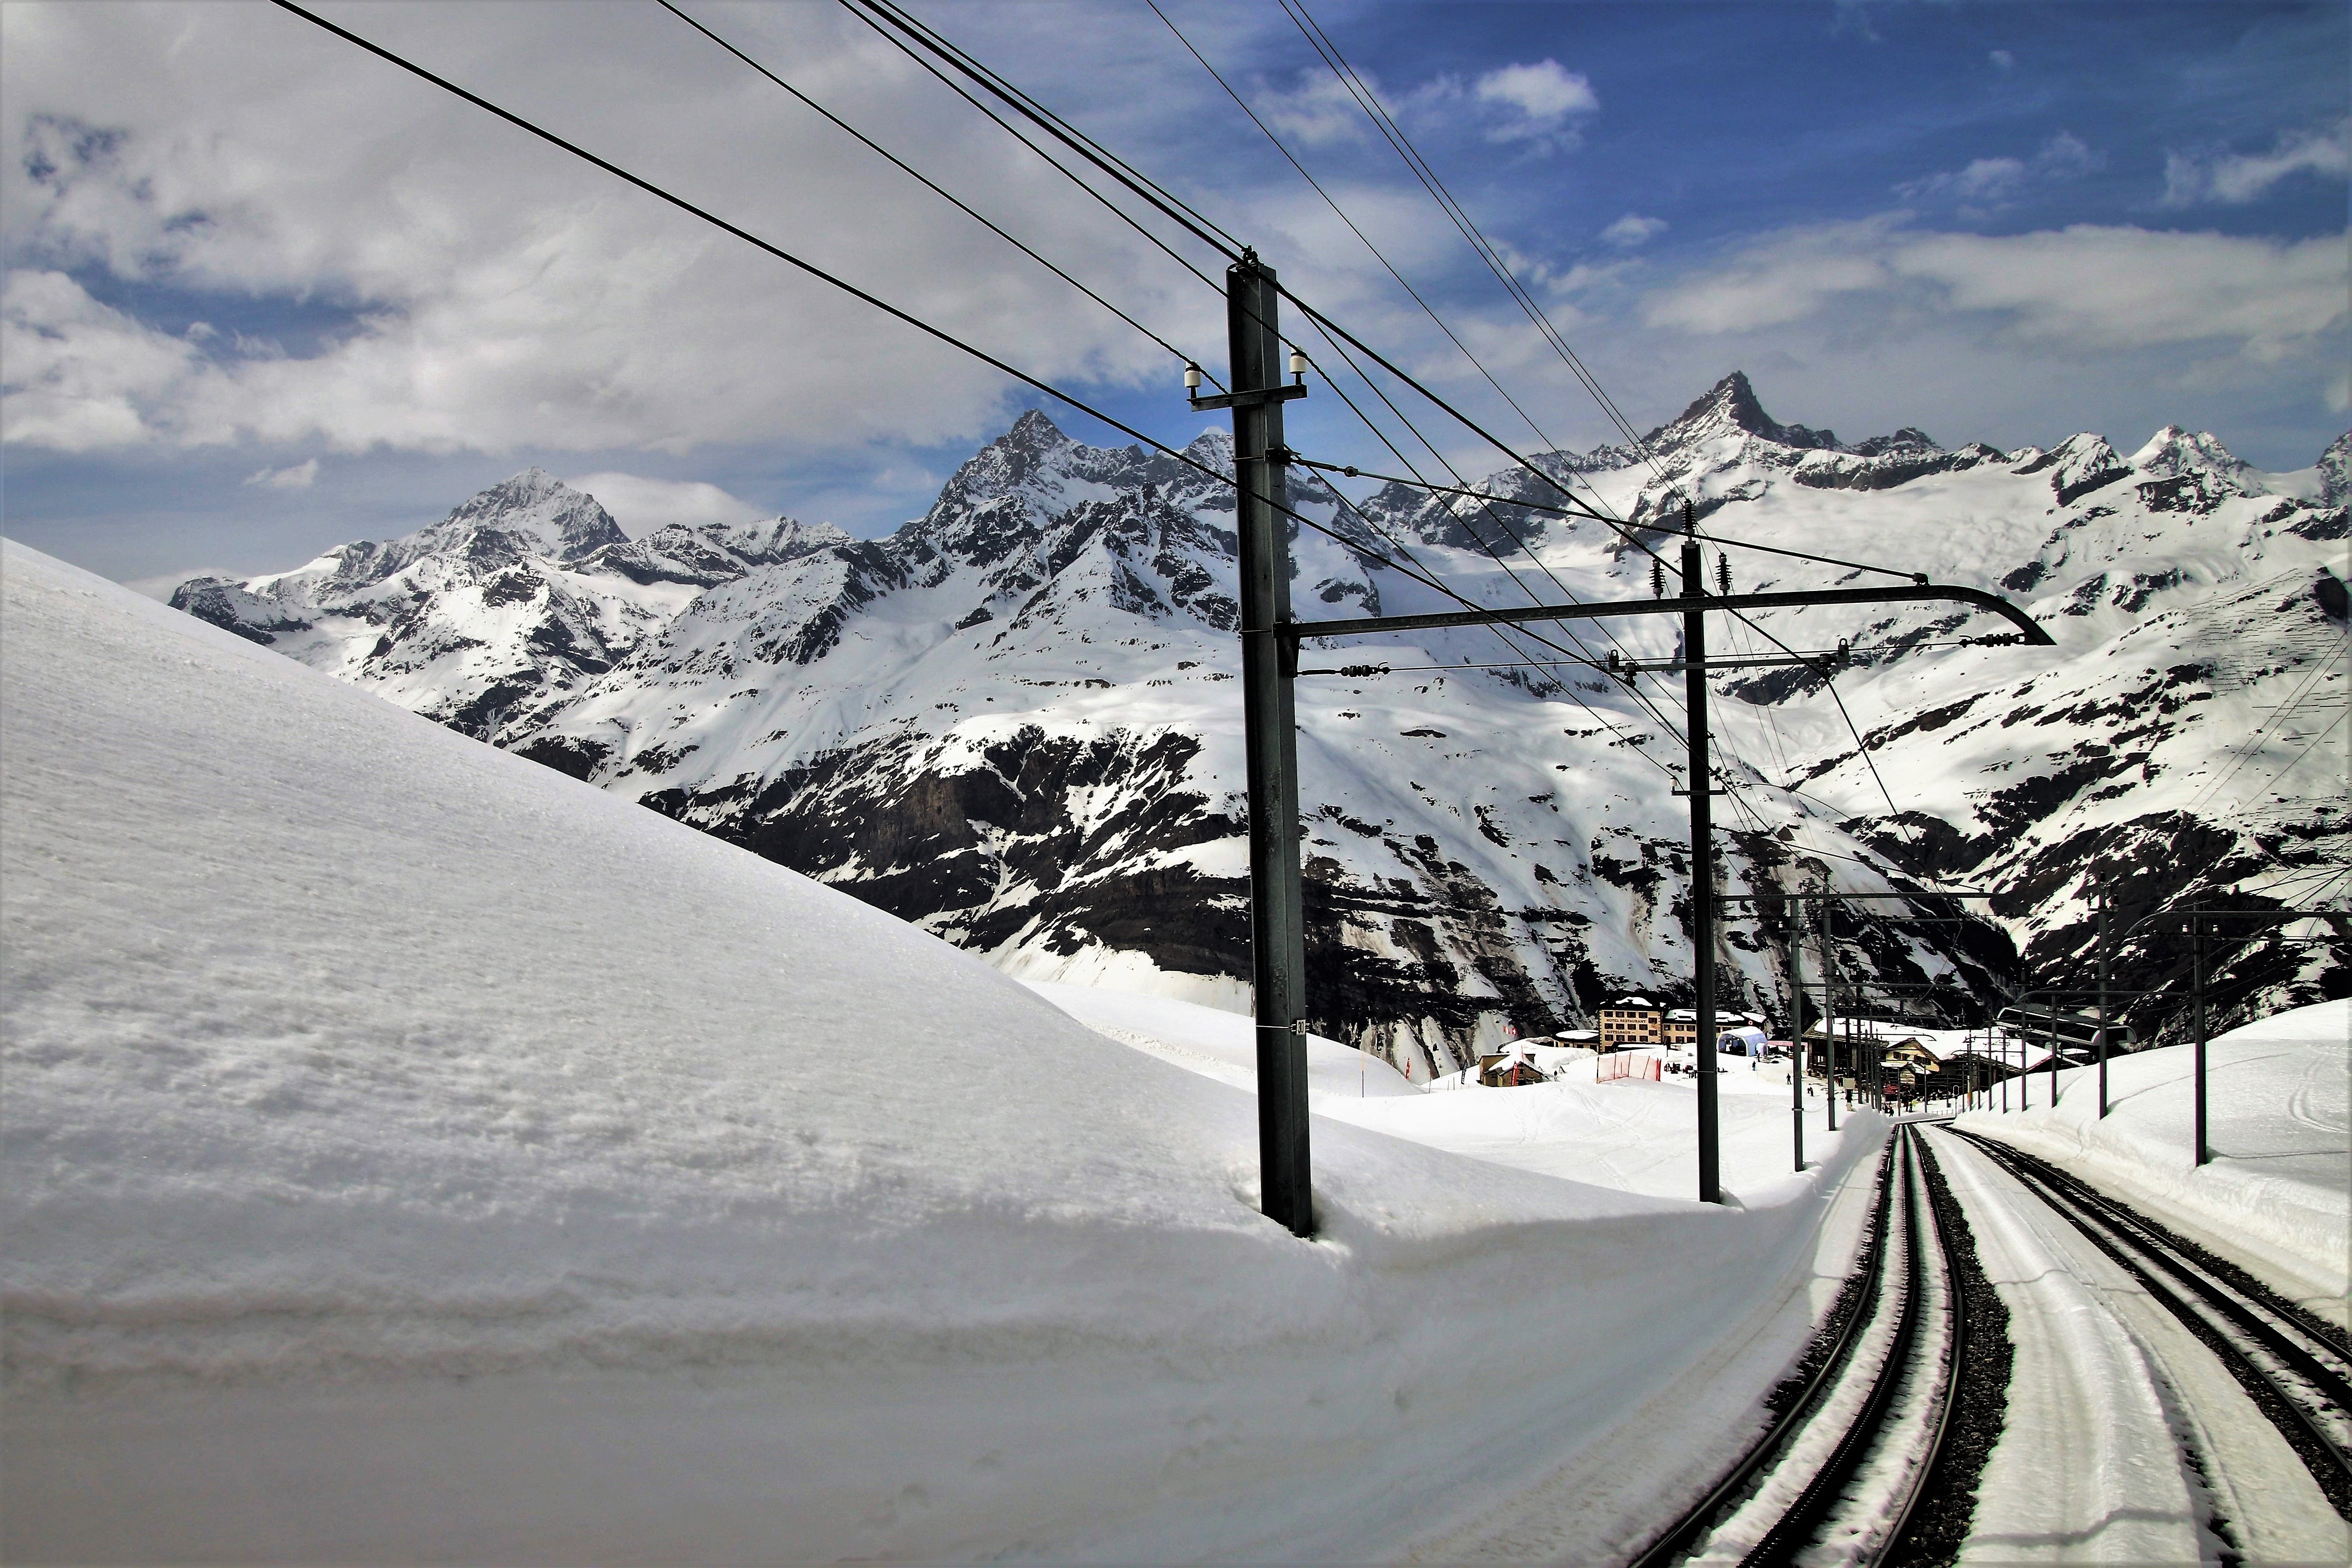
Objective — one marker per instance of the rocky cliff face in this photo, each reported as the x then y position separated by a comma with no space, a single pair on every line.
1016,721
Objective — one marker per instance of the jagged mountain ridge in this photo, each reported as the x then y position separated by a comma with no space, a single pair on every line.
1012,720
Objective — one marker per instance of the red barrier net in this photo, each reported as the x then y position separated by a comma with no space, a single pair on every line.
1627,1066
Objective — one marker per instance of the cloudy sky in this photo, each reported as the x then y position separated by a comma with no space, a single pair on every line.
265,293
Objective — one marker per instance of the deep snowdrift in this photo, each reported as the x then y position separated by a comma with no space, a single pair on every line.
2278,1191
410,1153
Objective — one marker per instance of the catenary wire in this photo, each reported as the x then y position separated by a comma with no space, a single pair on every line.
821,275
1327,49
1355,472
931,186
1341,213
1014,131
1102,158
1435,187
1157,196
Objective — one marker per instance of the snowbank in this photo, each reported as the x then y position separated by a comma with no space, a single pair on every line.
408,1153
1218,1044
2277,1189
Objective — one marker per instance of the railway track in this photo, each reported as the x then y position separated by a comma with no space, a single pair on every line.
1854,1438
2294,1367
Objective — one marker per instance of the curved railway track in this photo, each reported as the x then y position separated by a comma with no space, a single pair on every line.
2294,1367
1853,1439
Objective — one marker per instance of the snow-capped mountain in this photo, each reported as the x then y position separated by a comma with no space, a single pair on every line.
1015,722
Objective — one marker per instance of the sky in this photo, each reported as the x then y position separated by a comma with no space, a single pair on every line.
265,293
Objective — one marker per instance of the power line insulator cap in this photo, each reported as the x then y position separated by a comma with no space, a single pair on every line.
1298,367
1192,378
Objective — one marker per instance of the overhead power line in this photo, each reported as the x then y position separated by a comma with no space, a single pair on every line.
819,274
1354,472
1385,124
931,186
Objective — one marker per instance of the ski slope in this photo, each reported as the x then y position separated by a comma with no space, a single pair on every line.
2277,1194
409,1153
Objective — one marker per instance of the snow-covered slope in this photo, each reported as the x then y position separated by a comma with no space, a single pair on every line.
411,1154
1014,722
2278,1188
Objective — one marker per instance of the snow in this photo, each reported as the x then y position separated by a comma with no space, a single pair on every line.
409,1153
2274,1194
1216,1043
2088,1466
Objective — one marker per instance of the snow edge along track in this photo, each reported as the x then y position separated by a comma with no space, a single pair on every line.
1793,1399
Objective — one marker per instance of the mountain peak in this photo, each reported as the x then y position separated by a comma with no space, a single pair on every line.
550,515
1731,406
2174,450
1032,431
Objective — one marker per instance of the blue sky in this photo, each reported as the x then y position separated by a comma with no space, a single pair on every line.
265,295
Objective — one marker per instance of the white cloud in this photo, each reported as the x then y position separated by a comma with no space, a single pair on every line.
1318,112
1633,230
2233,178
77,375
2002,59
1990,181
1543,99
2339,393
1785,279
494,295
2086,287
298,477
641,505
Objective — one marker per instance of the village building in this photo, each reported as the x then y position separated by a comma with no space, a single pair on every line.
1632,1020
1922,1061
1681,1027
1513,1067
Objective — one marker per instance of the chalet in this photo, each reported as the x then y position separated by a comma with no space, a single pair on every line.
1513,1067
1632,1020
1921,1059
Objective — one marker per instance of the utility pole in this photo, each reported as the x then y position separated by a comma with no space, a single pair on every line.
1692,605
2103,1002
1702,840
1828,1013
2197,994
1797,1022
1269,665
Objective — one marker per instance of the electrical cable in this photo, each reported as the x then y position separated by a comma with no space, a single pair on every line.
933,186
1355,472
1168,206
1893,812
1014,131
1665,723
1369,101
1162,201
822,275
1341,213
1487,505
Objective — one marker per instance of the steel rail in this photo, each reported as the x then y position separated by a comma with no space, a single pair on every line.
1955,1339
2169,1281
1679,1538
1801,1522
1799,1526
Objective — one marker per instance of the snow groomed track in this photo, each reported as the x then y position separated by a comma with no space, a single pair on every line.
1857,1433
2295,1367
